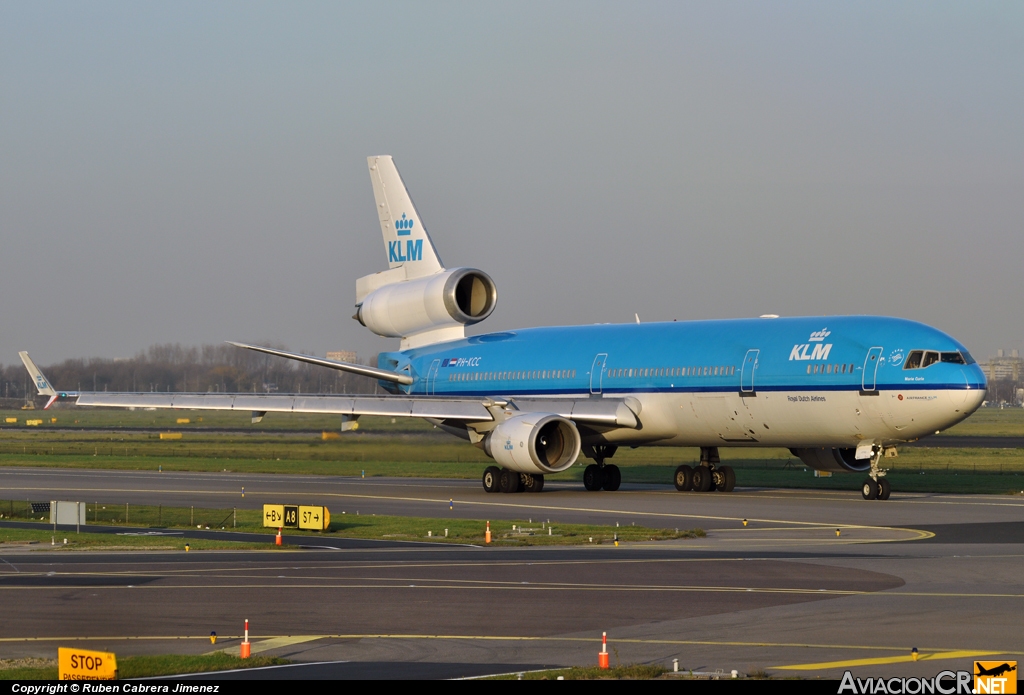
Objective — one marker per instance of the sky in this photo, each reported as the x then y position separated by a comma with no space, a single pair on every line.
195,172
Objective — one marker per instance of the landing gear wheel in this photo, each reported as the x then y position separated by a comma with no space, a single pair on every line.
884,489
593,477
535,483
509,480
684,478
492,479
869,489
701,479
612,478
728,479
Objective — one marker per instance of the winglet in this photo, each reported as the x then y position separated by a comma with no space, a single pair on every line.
41,382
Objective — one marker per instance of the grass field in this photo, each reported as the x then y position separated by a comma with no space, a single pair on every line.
139,666
414,448
439,530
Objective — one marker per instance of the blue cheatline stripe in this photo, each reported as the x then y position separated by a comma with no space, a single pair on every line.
508,390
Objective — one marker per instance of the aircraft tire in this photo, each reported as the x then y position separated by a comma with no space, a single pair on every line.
683,478
492,479
702,479
728,478
869,490
612,478
509,480
535,483
593,477
884,489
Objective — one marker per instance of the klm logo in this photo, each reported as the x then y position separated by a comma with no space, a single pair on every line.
818,352
404,226
41,382
413,250
508,444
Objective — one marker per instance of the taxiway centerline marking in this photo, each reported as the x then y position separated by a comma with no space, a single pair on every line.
521,638
902,658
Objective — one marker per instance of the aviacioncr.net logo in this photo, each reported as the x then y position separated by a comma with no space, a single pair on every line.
945,683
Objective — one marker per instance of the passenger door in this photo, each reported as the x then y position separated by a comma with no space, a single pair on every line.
432,376
597,373
871,362
747,373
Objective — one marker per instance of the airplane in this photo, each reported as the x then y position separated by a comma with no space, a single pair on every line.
995,671
838,391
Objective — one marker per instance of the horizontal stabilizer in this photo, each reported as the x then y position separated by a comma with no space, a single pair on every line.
360,369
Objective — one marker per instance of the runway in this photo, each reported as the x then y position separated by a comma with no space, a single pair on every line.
784,594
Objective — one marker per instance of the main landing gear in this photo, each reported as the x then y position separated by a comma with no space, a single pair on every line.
601,476
709,476
503,480
875,486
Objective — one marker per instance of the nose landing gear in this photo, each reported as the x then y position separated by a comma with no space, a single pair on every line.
875,486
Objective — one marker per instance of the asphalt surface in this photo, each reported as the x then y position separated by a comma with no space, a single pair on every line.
784,593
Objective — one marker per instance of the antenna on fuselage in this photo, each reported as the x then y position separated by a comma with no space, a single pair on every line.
637,317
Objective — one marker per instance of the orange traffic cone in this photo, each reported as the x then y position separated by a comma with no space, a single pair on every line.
602,657
246,647
278,541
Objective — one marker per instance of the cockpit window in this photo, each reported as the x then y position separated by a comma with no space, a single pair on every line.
919,359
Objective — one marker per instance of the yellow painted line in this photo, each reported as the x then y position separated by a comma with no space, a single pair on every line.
937,656
401,583
513,638
508,505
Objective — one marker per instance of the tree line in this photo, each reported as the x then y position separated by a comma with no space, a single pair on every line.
174,367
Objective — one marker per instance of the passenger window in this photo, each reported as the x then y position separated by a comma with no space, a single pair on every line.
913,359
930,358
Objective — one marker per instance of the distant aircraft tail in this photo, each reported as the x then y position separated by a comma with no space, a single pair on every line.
41,382
405,237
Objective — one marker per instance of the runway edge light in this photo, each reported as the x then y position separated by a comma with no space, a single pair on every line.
602,657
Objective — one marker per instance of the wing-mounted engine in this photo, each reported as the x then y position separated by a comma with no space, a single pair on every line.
833,460
534,443
424,310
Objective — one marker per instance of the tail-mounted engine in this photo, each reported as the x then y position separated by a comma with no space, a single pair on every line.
424,310
833,460
534,443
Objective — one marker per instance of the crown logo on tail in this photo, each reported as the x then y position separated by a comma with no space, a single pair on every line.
404,226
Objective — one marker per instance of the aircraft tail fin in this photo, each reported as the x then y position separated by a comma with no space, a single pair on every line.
41,382
405,237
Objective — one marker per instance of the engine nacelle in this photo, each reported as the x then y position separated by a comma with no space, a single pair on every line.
448,300
833,460
534,443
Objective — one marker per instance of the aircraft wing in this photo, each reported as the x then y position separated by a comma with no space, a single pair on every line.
606,412
601,412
